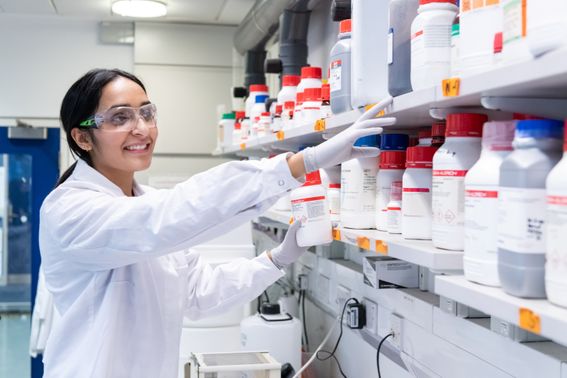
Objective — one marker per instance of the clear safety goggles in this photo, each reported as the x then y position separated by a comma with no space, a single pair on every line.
122,118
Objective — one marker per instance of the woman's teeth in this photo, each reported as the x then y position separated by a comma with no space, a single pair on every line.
137,147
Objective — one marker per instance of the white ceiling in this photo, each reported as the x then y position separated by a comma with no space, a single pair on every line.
229,12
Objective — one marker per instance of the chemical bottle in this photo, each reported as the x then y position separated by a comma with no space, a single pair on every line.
225,130
416,193
397,142
431,42
245,128
402,13
547,25
392,165
326,111
310,78
264,125
254,90
358,188
521,207
339,70
424,138
287,115
479,22
255,114
289,89
331,178
237,134
394,222
309,206
515,48
481,204
311,107
369,52
277,123
451,162
556,237
438,134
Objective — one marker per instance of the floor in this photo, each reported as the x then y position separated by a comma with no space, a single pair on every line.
14,345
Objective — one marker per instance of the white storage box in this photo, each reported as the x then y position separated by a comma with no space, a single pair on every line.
389,273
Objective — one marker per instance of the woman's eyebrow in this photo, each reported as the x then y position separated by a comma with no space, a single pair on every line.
128,105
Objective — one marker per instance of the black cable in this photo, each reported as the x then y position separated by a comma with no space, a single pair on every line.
304,321
378,353
266,294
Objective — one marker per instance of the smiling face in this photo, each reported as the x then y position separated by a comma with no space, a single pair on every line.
117,155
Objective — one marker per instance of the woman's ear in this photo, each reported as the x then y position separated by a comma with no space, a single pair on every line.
82,138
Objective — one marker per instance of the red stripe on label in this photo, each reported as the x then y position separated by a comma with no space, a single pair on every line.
416,34
557,200
335,186
481,193
449,173
394,208
309,199
416,190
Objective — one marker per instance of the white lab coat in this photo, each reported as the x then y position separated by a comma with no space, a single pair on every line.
116,274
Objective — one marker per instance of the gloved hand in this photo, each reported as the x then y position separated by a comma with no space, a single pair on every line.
340,147
288,251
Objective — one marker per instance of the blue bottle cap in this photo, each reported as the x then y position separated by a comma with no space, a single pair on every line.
260,99
368,141
394,142
539,128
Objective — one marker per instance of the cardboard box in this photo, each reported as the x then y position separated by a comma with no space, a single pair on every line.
382,272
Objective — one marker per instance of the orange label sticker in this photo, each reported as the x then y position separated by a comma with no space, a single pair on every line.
320,125
530,321
243,146
380,113
478,4
451,87
336,234
381,247
363,242
291,220
492,2
280,135
465,5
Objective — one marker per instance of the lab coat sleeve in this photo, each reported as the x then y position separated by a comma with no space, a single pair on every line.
213,290
98,231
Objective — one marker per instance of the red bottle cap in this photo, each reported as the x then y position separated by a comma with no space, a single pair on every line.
438,129
498,43
326,92
424,134
465,125
524,117
312,178
290,80
424,2
345,26
279,109
289,105
265,114
420,157
311,72
239,115
392,159
312,94
258,88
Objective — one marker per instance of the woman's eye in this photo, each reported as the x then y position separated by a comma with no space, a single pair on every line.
119,119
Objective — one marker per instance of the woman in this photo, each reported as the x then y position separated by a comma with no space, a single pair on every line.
114,252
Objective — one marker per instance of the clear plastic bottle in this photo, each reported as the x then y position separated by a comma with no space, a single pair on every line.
309,206
394,223
521,206
451,162
392,166
402,13
339,70
556,237
481,204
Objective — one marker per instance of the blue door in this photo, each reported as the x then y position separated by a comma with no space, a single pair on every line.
29,168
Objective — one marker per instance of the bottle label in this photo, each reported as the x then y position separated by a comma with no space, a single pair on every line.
394,221
358,195
448,207
514,17
417,203
311,209
391,46
334,205
481,220
431,45
521,220
557,234
335,75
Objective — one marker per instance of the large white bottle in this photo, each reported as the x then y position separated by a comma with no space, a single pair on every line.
369,52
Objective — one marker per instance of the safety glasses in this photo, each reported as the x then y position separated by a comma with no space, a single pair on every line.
122,118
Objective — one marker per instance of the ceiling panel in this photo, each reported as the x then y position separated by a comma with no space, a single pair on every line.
234,11
27,6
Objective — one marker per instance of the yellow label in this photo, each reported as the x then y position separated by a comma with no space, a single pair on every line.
492,2
478,4
243,146
336,234
465,5
380,113
451,87
291,220
320,125
381,247
530,321
280,135
363,242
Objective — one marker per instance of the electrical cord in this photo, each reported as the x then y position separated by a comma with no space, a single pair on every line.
378,353
304,320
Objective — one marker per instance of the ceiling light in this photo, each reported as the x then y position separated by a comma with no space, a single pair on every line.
139,8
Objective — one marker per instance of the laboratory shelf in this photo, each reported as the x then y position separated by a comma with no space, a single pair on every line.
535,315
420,252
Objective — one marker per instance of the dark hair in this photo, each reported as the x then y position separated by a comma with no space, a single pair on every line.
80,103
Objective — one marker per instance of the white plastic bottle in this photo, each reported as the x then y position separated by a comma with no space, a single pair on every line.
255,114
556,238
289,89
416,193
309,206
481,204
369,52
515,46
287,114
326,111
310,78
237,134
392,165
340,69
311,107
264,125
358,188
456,49
431,43
547,25
451,163
479,22
277,123
254,90
394,224
226,129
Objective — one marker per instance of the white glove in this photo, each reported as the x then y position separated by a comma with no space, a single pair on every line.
288,251
340,147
